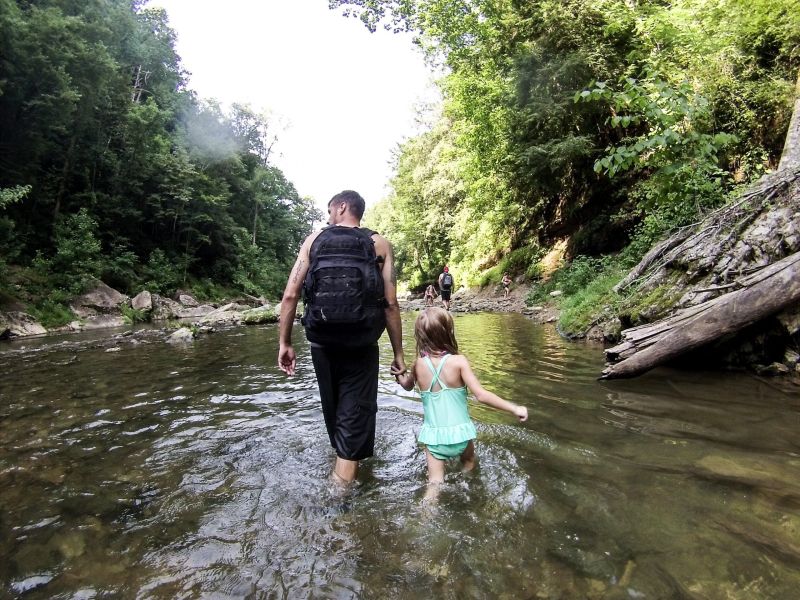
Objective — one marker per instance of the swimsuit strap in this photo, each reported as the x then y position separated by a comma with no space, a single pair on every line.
436,371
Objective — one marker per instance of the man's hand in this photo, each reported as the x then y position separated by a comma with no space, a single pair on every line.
286,359
398,366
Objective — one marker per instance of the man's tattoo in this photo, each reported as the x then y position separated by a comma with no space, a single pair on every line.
298,267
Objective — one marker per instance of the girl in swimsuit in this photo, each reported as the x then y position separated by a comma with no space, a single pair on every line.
443,377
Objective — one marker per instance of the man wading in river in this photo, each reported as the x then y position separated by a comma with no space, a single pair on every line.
347,277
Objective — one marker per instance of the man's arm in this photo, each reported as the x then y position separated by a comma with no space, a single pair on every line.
291,296
394,325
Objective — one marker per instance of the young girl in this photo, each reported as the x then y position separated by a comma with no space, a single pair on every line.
443,376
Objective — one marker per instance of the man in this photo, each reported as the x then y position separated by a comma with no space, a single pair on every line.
445,287
349,285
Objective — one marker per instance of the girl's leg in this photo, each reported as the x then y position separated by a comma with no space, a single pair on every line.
468,457
435,477
435,468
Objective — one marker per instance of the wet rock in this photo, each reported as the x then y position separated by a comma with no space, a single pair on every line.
773,369
265,314
100,322
184,335
70,545
763,474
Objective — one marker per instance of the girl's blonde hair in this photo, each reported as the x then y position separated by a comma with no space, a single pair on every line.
435,332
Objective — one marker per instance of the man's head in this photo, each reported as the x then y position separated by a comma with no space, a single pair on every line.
446,269
344,205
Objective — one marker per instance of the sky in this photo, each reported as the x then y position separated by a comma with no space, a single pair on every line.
342,98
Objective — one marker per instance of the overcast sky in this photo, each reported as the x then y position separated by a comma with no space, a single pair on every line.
344,97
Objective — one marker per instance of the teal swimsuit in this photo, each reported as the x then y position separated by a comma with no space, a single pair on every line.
447,428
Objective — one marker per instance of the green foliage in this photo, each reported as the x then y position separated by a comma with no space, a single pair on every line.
76,260
521,260
160,274
584,308
701,105
10,195
569,279
96,120
664,131
53,310
208,290
132,316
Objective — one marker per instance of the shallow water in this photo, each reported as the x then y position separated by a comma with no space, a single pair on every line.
150,471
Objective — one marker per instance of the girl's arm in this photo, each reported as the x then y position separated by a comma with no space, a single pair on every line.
405,378
485,396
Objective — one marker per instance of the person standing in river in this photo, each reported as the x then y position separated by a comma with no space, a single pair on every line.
506,281
446,286
343,327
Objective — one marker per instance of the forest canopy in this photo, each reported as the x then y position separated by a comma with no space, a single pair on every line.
599,124
113,169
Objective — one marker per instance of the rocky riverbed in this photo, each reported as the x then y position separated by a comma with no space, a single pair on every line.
489,299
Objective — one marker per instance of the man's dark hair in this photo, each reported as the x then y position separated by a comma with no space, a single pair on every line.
355,203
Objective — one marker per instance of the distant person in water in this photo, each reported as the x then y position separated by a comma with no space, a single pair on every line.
430,295
506,281
443,377
446,286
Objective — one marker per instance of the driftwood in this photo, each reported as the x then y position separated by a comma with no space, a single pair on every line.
757,291
763,294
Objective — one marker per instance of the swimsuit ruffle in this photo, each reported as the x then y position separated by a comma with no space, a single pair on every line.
447,435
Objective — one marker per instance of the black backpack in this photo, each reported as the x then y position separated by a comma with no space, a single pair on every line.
447,281
343,289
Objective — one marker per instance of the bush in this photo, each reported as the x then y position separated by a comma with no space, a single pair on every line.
160,274
76,260
131,315
53,311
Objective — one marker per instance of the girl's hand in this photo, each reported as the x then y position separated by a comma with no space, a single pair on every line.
521,412
404,377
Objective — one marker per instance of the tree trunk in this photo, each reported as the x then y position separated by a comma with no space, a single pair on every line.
790,159
768,292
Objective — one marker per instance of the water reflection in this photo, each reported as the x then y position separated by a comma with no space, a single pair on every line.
161,472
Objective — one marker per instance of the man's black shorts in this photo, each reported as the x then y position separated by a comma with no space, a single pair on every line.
348,387
445,294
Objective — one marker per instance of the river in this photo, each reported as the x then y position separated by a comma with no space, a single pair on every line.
144,470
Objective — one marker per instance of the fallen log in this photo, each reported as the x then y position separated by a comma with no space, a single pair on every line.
764,293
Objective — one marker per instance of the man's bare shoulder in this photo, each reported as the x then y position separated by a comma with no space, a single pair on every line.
382,245
310,240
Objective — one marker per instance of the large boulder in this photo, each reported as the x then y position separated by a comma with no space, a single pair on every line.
101,299
187,300
163,308
18,324
143,301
